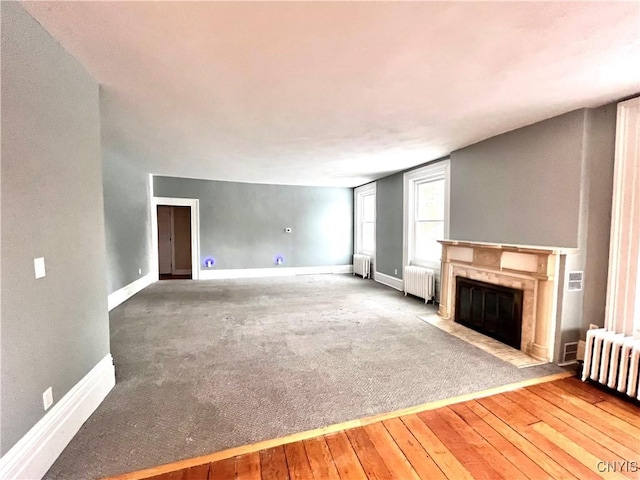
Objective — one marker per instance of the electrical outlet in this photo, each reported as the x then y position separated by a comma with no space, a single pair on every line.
395,271
139,271
47,398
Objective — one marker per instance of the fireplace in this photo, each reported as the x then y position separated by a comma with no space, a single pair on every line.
493,310
532,270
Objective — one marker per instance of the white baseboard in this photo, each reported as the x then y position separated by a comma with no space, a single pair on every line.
389,281
125,293
272,272
34,453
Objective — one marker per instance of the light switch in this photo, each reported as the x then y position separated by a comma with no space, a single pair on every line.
38,266
47,398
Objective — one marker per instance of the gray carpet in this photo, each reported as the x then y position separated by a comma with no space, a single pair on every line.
207,365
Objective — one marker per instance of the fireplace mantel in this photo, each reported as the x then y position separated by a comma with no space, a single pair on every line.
511,247
532,269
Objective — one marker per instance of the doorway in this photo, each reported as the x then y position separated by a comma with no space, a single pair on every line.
174,242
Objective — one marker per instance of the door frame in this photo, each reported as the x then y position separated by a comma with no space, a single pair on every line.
194,203
165,254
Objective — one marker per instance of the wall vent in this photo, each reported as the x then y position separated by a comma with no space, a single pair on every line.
574,282
570,353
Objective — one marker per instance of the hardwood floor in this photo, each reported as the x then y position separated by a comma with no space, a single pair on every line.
563,429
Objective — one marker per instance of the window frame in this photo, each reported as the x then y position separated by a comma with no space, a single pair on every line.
411,180
622,310
359,194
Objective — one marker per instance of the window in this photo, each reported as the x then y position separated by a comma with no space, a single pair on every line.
365,219
426,214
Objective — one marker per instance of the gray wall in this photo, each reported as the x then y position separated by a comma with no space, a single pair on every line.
242,224
580,308
55,329
521,187
389,225
127,220
600,153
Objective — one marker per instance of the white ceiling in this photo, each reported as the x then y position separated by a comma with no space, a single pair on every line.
336,93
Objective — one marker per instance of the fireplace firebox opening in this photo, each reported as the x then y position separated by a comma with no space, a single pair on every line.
490,309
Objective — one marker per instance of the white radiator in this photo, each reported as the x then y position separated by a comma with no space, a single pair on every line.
419,281
612,359
362,265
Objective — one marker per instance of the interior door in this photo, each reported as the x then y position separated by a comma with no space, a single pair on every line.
164,239
181,240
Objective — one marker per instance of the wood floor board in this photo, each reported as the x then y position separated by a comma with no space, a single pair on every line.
446,460
195,473
598,418
198,472
614,421
320,459
297,461
583,390
466,448
223,470
344,457
621,401
522,462
506,413
577,424
588,460
532,451
515,415
545,412
248,467
481,445
371,461
625,404
557,453
391,454
420,460
558,430
273,464
619,412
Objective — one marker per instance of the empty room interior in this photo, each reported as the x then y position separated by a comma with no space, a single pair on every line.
320,240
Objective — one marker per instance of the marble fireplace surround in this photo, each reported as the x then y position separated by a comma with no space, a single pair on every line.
532,269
